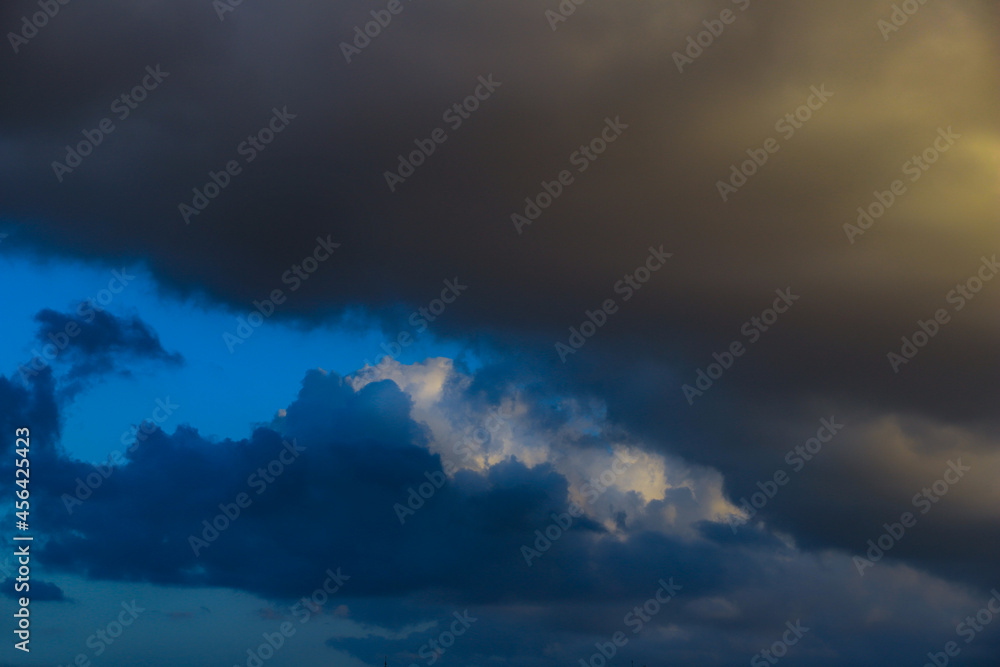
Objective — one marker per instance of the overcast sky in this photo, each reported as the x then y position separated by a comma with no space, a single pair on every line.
536,333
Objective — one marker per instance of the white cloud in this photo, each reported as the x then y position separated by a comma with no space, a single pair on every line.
608,471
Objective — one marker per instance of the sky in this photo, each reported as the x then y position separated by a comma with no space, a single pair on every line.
500,334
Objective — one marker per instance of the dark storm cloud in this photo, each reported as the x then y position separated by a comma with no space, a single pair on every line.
866,476
41,591
35,404
361,455
654,185
95,341
333,507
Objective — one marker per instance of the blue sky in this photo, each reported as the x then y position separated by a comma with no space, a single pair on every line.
222,393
